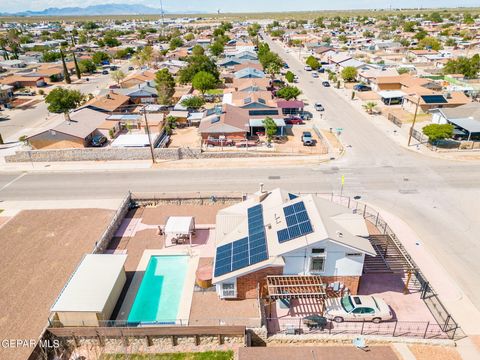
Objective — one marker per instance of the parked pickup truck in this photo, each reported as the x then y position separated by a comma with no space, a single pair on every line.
307,139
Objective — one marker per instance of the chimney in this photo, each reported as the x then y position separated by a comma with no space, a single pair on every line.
262,188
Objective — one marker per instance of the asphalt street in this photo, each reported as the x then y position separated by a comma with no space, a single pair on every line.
439,199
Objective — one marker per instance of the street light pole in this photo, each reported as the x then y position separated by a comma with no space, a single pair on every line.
148,134
414,120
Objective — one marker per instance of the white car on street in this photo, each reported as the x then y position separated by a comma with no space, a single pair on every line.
357,308
307,68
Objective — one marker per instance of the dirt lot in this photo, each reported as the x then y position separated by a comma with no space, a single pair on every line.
185,137
294,143
40,250
425,352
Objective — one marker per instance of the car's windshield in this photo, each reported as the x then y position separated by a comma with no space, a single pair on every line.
347,304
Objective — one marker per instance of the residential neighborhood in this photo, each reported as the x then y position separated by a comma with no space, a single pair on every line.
198,183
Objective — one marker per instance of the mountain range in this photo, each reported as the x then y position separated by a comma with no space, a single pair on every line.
103,9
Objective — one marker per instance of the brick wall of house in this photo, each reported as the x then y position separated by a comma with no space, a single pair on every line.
247,285
351,282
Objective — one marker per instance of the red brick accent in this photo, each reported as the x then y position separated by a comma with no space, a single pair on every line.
247,285
351,282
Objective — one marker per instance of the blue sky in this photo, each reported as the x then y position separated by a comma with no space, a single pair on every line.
236,5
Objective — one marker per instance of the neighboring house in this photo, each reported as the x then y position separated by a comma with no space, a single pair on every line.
428,100
19,81
108,103
248,64
137,78
144,93
465,118
74,133
370,73
249,73
419,55
400,82
228,122
290,106
6,93
278,233
258,104
13,64
242,55
251,84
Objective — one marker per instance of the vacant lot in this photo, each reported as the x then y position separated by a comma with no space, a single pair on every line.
208,355
39,251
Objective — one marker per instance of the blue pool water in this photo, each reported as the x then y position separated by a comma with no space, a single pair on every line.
160,291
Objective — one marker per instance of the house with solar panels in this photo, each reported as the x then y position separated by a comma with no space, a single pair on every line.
277,233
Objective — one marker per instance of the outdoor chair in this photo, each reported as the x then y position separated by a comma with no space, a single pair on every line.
315,322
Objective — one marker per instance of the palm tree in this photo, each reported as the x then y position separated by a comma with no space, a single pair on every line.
369,106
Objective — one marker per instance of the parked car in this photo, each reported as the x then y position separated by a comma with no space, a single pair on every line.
307,68
315,75
295,79
362,87
307,139
294,120
285,66
105,72
357,308
98,141
325,83
321,70
25,93
306,115
319,107
130,68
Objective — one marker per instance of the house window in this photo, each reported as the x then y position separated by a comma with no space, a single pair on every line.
317,264
229,290
353,254
318,251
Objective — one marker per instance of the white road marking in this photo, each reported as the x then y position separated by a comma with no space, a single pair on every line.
11,182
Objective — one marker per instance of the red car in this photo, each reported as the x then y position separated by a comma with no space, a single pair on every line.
294,120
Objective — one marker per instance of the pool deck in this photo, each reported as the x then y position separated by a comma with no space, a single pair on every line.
183,313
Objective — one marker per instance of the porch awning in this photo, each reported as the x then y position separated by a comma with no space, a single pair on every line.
295,287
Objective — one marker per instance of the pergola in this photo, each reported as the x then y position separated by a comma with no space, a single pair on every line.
289,287
179,229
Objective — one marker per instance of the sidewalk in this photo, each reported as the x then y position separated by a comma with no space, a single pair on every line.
456,302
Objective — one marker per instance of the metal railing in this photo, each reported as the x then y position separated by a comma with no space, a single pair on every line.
415,329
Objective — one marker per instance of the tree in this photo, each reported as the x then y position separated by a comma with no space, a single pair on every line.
195,65
118,76
198,50
62,100
409,26
50,56
271,62
435,17
189,37
289,92
369,106
217,48
349,73
87,66
193,102
99,57
77,68
175,42
270,128
403,71
203,81
170,124
253,29
469,67
165,84
437,132
430,42
313,62
66,74
290,76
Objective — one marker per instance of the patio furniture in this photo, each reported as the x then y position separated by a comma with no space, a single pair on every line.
292,330
204,276
359,343
315,322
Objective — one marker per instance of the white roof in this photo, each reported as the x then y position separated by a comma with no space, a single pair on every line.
179,225
91,284
133,140
390,94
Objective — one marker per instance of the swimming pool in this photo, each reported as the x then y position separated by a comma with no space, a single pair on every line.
160,291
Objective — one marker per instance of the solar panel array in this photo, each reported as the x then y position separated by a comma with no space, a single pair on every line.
246,251
434,99
298,223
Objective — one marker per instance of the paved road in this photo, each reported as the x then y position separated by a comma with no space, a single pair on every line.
440,199
21,122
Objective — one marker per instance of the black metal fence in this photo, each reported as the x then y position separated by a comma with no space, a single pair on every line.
415,329
395,120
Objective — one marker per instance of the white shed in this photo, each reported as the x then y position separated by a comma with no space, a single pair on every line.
92,291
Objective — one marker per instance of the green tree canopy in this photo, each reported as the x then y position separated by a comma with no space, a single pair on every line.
100,56
87,66
165,84
203,81
62,100
270,128
197,63
349,73
198,50
289,92
193,102
437,132
469,67
175,42
50,56
217,48
313,62
430,42
290,76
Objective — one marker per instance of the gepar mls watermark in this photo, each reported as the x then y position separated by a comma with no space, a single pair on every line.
29,343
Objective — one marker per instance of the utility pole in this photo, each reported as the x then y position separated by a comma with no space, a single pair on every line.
414,120
163,17
148,133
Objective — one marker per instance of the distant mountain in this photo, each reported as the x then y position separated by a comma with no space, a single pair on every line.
104,9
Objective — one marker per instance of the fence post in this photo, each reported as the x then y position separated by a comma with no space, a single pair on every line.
364,209
385,228
426,329
299,324
446,322
376,220
348,202
395,328
363,324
